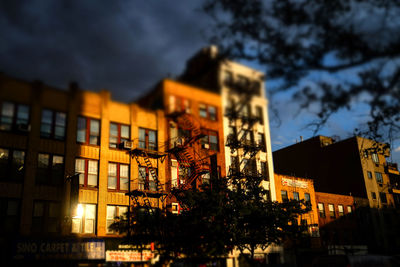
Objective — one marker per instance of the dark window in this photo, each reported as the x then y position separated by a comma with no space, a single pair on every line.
321,210
228,78
307,198
378,177
296,196
53,124
50,170
114,213
12,164
331,208
248,137
147,179
373,195
46,217
383,198
284,195
264,170
369,174
210,140
147,139
88,131
118,176
9,211
261,141
88,172
14,117
118,134
260,114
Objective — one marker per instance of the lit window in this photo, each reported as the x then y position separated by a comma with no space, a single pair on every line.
88,172
147,178
115,213
211,139
296,196
88,131
147,139
375,157
53,124
118,134
9,212
118,176
50,169
379,178
14,117
174,173
340,210
12,164
84,220
331,208
46,217
321,210
284,195
349,209
205,178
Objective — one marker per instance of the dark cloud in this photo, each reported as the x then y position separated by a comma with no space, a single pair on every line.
124,46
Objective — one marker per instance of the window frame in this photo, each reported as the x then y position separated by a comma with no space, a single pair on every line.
380,179
10,167
119,136
83,219
44,221
332,213
86,173
284,196
10,222
117,213
147,181
340,213
296,195
207,137
88,133
118,177
146,141
13,126
375,157
53,125
205,113
321,210
369,175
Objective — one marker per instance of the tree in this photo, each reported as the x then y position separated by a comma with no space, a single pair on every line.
334,53
223,215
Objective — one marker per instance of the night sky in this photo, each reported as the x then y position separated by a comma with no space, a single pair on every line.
126,47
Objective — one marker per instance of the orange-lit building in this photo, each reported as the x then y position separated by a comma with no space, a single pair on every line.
290,187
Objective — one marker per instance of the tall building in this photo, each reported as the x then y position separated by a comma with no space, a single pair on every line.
245,111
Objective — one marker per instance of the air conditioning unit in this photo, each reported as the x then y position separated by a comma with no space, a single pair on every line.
23,127
205,146
127,144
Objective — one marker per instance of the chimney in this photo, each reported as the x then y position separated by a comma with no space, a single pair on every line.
301,138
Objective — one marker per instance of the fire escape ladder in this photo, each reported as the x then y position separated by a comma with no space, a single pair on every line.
147,204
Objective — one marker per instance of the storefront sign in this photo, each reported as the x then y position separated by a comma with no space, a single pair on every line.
91,249
294,183
128,255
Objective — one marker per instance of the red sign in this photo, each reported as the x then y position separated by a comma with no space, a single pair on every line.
128,255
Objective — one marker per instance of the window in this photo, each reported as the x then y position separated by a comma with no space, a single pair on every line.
307,199
14,117
205,178
210,139
9,212
147,139
341,210
261,141
50,169
228,78
284,195
118,134
53,124
349,209
264,170
113,214
331,209
208,112
375,158
174,173
260,114
84,220
147,179
378,177
46,217
12,164
88,131
383,198
177,103
118,176
369,175
373,195
296,196
321,210
248,137
88,172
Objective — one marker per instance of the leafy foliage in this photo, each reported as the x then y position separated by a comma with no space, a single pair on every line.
334,53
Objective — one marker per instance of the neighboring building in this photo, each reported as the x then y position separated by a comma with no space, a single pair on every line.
290,187
355,166
245,110
49,135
